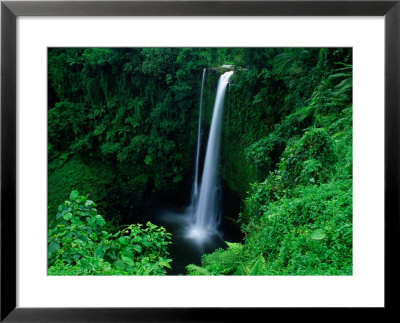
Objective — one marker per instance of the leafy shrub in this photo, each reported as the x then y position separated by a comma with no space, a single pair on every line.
95,178
141,251
308,159
85,267
230,261
78,230
80,245
309,232
255,267
220,262
194,270
259,154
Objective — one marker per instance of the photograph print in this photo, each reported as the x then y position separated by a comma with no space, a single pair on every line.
200,161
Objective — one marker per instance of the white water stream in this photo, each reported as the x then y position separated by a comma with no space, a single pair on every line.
199,135
205,206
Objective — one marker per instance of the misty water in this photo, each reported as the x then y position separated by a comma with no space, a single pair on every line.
199,228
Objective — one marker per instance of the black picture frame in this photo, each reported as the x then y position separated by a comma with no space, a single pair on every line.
10,10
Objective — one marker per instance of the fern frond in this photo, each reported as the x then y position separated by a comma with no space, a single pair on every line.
258,266
197,270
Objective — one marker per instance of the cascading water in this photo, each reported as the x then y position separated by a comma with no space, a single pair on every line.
196,171
206,208
195,229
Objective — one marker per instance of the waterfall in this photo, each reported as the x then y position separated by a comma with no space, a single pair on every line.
196,171
206,210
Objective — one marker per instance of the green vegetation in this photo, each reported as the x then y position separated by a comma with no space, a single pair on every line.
79,244
122,128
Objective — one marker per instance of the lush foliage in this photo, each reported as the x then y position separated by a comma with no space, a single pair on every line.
80,245
122,127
